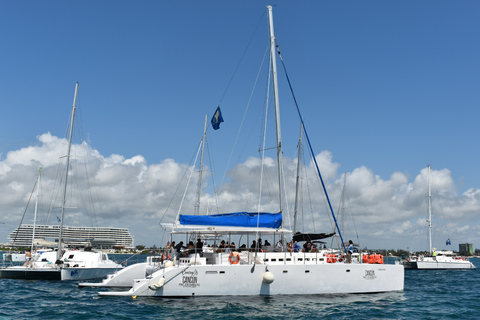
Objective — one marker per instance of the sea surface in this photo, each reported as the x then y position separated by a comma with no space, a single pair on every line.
433,294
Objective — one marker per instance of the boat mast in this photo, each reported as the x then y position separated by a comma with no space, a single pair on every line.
36,206
297,184
72,118
429,211
199,185
276,102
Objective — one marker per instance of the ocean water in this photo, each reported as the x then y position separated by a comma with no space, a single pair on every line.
427,295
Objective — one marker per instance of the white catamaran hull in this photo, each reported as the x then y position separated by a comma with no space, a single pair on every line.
213,280
432,264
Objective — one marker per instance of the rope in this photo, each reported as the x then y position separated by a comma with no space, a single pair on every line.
311,150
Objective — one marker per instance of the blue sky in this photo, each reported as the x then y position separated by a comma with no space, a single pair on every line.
384,86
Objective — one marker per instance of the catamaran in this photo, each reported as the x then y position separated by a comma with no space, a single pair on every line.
441,259
215,270
63,264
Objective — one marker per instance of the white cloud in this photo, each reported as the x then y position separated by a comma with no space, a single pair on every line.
132,193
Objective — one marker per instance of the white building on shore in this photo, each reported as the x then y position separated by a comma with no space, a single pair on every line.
101,238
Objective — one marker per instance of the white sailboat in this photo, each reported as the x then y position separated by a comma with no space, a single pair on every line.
441,259
64,264
211,271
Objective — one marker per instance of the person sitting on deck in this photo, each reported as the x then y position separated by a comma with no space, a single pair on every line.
199,244
296,247
279,246
253,247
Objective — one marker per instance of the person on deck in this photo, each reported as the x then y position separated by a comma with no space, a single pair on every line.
296,247
28,258
253,247
350,251
179,247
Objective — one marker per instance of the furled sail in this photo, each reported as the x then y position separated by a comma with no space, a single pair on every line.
311,236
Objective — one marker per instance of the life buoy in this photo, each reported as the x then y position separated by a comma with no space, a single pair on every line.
341,258
234,258
329,257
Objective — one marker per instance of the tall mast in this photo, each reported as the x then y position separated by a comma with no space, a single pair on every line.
429,211
36,207
72,118
297,184
199,185
276,102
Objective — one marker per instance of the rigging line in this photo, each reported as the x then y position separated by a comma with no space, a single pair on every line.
310,146
244,116
188,182
439,204
178,187
241,59
212,164
263,159
24,212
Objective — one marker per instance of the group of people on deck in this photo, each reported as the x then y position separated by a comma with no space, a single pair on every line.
257,246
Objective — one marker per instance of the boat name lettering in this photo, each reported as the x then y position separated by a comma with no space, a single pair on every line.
369,274
189,279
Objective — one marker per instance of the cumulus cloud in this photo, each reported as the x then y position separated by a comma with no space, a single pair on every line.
376,212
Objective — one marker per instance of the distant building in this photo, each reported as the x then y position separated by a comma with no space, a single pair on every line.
45,235
466,248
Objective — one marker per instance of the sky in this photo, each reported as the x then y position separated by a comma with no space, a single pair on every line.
385,89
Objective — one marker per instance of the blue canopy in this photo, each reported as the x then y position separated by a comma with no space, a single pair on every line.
235,219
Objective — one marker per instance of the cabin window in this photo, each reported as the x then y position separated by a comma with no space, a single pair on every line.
307,271
211,272
285,271
71,256
222,271
281,259
289,259
274,260
300,259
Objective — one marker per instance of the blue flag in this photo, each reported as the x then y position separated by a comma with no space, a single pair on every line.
448,242
217,119
58,219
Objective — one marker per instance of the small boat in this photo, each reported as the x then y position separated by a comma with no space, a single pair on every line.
436,260
62,264
213,270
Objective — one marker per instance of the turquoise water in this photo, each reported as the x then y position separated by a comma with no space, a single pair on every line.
427,295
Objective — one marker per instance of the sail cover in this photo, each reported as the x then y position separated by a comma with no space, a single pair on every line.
235,219
311,236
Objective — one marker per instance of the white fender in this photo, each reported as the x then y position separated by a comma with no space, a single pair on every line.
158,285
268,277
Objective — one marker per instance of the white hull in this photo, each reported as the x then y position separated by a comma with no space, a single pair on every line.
454,264
86,273
199,279
124,278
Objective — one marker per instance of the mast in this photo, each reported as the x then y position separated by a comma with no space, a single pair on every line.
276,102
297,184
72,118
199,185
429,211
36,206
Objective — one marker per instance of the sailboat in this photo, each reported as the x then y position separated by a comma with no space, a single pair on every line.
63,264
441,259
213,270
